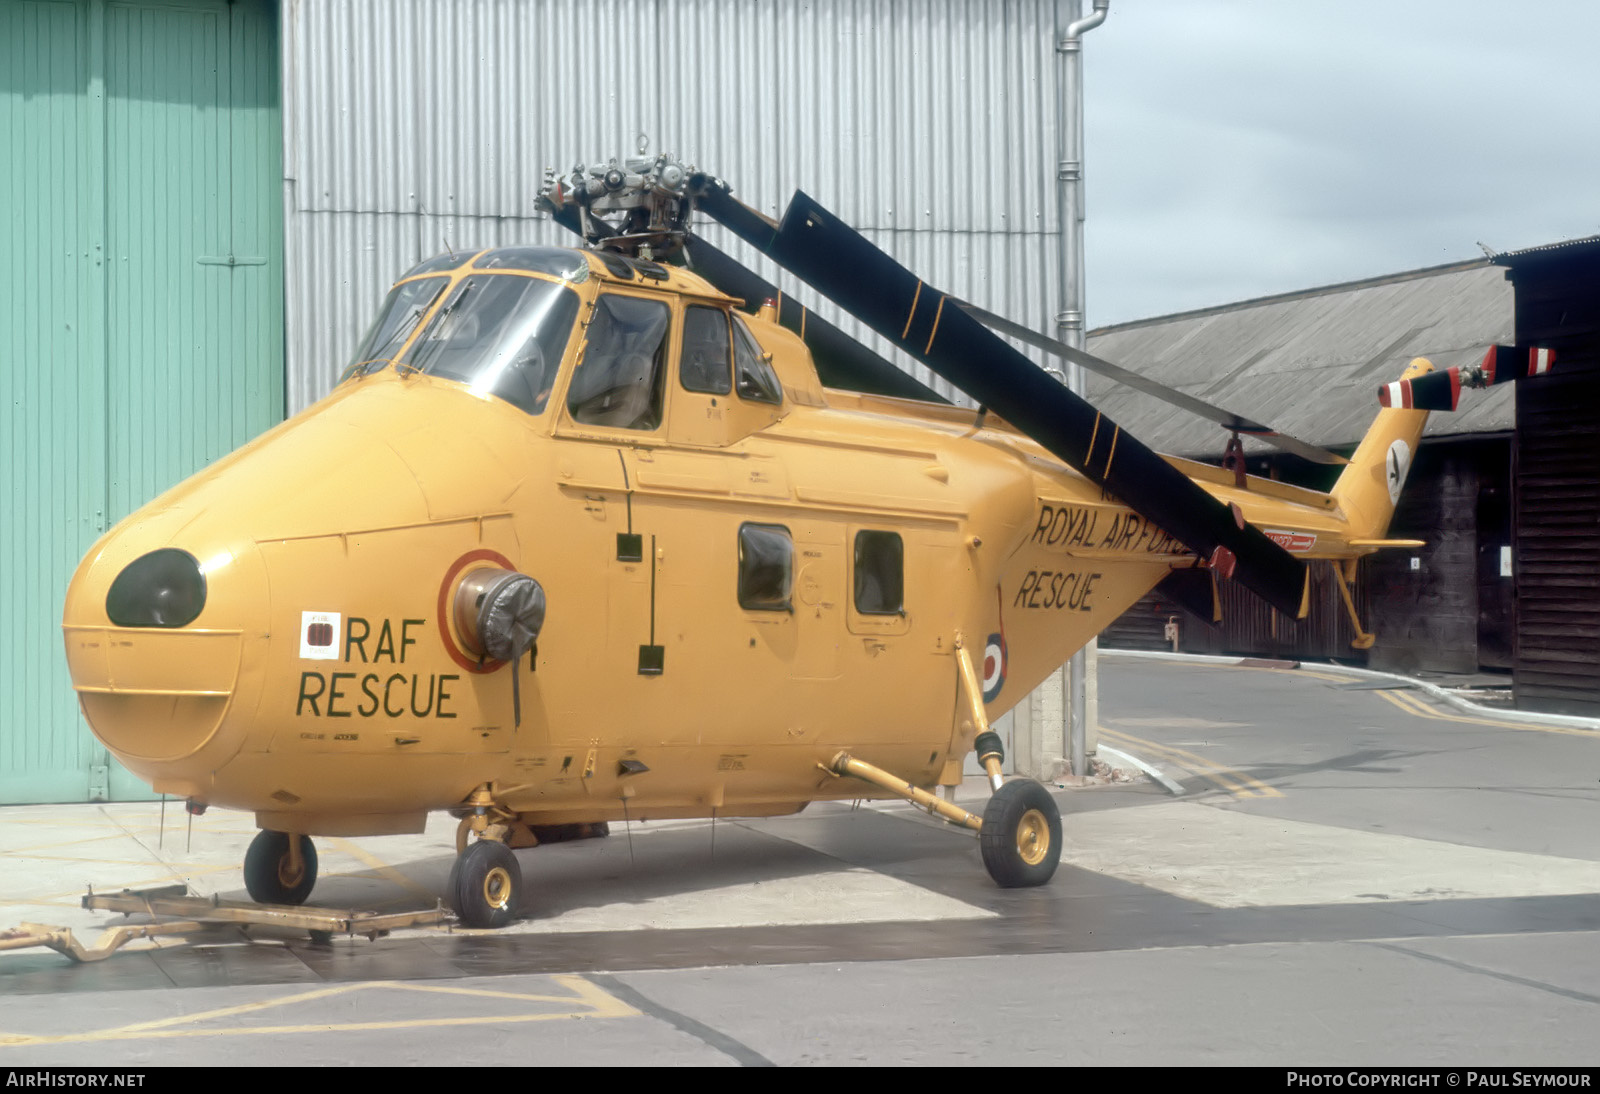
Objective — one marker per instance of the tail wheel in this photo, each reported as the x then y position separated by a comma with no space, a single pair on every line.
271,876
1021,836
486,885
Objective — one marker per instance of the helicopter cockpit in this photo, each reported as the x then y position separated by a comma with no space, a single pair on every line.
500,335
483,321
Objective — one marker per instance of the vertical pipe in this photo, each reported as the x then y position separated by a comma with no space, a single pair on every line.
1069,321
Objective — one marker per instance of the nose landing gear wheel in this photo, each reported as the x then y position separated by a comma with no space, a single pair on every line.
1021,836
270,875
486,885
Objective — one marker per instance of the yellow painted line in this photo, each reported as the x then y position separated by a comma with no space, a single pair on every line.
912,313
935,330
1220,780
1115,433
1232,779
1412,704
382,868
1422,710
586,1000
1408,704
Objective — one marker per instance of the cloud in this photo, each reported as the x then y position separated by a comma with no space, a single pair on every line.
1247,148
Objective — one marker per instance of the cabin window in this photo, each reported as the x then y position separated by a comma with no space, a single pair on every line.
404,308
501,335
756,380
880,573
704,365
618,381
766,568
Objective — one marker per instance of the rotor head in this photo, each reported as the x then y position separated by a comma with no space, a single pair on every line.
638,207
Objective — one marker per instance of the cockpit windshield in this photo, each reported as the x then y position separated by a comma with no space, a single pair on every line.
407,303
500,334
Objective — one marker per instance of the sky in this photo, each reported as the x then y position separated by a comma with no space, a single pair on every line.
1240,148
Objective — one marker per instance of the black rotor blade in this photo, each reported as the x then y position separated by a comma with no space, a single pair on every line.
844,266
841,361
1227,419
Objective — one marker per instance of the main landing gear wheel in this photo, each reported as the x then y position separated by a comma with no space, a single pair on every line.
486,885
269,875
1021,835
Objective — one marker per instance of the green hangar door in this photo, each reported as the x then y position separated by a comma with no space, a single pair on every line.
141,310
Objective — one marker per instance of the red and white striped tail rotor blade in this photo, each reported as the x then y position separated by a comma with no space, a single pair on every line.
1435,391
1502,364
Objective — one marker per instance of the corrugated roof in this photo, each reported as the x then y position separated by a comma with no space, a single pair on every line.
1583,244
1310,363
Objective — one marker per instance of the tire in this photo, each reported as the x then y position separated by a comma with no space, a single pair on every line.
1021,835
266,869
486,885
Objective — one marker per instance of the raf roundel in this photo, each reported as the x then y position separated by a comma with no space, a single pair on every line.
994,667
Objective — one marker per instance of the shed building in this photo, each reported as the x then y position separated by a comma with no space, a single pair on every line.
1505,491
1556,481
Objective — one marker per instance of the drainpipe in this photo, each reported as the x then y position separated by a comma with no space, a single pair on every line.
1069,321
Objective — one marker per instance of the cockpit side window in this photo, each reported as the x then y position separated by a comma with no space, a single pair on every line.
405,306
704,365
502,335
755,379
618,381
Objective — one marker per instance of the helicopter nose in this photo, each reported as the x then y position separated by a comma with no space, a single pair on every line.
153,650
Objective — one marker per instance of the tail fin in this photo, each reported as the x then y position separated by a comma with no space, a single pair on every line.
1369,487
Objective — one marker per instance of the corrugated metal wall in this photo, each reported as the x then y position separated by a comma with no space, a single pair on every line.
416,126
51,339
140,309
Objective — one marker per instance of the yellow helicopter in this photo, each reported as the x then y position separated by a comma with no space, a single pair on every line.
580,538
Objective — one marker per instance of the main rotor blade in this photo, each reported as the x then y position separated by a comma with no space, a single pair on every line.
1227,419
841,361
844,266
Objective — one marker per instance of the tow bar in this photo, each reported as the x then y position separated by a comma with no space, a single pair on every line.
197,913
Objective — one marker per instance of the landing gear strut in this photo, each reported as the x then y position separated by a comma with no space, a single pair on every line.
1020,832
280,868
